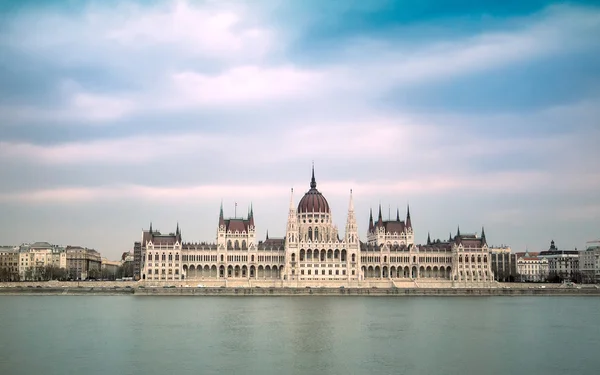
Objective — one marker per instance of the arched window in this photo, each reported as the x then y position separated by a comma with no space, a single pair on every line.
229,245
353,257
252,258
244,245
236,245
310,237
302,255
385,259
293,257
316,234
222,257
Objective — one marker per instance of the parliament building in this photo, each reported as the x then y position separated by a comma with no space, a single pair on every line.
312,252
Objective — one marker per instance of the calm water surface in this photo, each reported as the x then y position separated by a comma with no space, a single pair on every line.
299,335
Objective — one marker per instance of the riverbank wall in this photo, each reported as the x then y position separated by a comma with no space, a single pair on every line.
141,290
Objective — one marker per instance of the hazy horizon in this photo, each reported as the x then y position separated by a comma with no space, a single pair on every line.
116,114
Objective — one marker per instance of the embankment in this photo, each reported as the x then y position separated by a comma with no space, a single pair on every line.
258,291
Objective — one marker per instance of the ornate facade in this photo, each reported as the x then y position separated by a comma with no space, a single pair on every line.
314,251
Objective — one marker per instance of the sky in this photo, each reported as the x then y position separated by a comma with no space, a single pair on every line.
115,114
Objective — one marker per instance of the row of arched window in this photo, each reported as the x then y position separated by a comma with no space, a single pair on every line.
163,257
235,245
472,258
322,255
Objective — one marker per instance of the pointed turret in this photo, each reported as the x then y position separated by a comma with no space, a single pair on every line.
292,223
221,218
483,240
379,217
267,234
251,215
371,226
458,231
408,222
150,228
313,182
428,239
397,214
178,233
351,226
450,237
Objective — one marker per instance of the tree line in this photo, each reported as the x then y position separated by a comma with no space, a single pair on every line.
50,272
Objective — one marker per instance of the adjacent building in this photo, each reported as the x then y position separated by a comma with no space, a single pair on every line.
532,267
109,268
563,265
504,264
9,263
83,263
313,250
589,262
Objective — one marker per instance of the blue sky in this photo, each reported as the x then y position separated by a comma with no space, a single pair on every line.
116,114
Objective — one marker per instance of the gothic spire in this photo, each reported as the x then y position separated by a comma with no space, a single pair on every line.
221,218
313,182
450,238
370,220
408,222
458,231
150,227
177,230
483,240
267,234
351,205
397,214
428,239
292,200
251,215
379,218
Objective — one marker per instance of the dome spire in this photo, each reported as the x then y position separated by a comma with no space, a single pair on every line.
313,182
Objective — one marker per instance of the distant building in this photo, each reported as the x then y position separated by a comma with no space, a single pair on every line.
36,258
532,267
9,263
562,264
137,260
504,264
589,262
83,263
109,268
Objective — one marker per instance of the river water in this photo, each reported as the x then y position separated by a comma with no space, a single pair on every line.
299,335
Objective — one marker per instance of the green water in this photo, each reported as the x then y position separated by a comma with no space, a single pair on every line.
299,335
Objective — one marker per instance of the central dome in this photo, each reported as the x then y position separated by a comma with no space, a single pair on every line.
313,201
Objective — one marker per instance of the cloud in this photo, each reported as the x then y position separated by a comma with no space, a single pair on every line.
243,85
432,184
175,68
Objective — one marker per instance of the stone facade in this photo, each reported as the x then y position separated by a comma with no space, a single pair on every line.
83,263
504,264
589,262
532,267
562,264
313,251
9,263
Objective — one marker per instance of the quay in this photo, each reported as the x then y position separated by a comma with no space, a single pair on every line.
139,289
